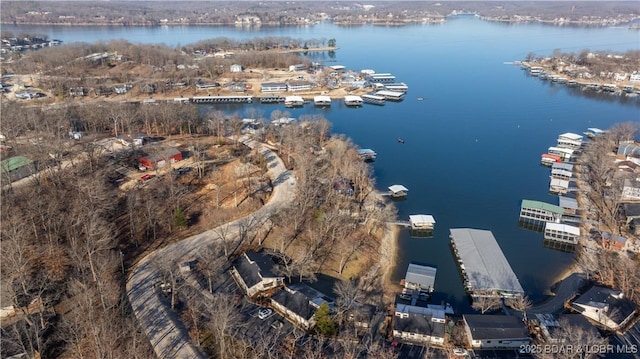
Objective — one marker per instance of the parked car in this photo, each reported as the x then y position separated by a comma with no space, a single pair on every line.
146,178
460,352
277,324
264,313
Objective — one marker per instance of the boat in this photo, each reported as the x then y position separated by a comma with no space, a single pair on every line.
400,140
293,101
373,99
420,98
353,100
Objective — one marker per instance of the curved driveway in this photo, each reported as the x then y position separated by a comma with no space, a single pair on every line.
164,328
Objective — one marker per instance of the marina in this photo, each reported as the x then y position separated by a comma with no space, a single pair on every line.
222,99
433,183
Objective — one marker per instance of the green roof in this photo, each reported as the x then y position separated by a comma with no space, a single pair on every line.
527,203
13,163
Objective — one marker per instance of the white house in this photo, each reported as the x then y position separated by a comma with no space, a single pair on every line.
418,324
605,306
495,331
236,68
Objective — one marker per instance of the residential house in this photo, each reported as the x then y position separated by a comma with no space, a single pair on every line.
495,331
299,86
160,158
612,242
254,273
273,87
630,190
295,307
605,306
418,324
17,167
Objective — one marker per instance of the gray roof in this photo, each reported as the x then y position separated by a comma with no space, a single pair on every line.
253,267
567,202
420,274
418,323
563,166
631,209
296,302
485,264
162,155
617,306
495,327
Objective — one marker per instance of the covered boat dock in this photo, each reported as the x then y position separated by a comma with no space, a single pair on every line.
484,267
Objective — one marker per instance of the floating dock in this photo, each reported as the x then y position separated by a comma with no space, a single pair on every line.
222,99
485,269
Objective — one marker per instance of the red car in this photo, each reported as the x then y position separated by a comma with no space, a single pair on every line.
146,178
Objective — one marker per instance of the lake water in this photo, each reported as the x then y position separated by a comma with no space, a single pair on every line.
472,146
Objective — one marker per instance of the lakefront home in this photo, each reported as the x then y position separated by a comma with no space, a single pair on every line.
605,306
253,272
495,331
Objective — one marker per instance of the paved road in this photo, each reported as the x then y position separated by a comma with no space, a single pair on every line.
165,330
566,289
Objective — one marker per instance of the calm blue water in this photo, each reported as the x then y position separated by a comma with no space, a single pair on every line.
472,147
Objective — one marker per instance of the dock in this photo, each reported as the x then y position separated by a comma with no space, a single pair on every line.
271,99
485,270
367,154
222,99
398,191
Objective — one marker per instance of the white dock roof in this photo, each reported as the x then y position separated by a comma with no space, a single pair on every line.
390,93
560,149
421,219
485,264
419,274
322,98
563,165
398,188
294,98
556,182
352,98
571,136
561,227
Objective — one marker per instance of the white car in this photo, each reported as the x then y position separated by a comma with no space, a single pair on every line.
264,313
459,352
